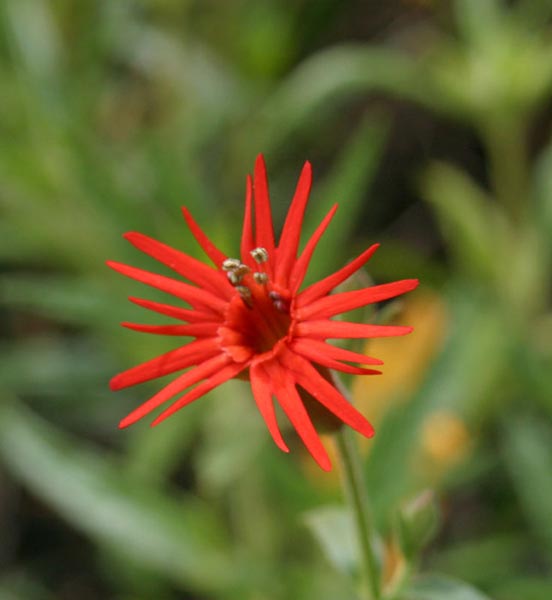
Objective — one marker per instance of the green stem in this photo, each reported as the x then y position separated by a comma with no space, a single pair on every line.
356,494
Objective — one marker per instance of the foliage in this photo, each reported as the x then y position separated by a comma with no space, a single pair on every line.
113,115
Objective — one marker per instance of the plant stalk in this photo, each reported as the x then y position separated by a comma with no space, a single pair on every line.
355,490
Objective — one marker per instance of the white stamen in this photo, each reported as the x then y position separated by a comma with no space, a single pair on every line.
260,255
260,278
244,291
245,295
231,264
233,278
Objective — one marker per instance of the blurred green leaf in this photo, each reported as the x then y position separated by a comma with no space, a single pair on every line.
463,381
51,365
347,184
543,196
417,523
69,300
438,587
485,560
472,226
478,20
176,536
324,80
527,447
334,529
233,435
35,39
526,588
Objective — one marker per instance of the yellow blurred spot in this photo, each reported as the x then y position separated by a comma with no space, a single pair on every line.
393,562
444,440
406,359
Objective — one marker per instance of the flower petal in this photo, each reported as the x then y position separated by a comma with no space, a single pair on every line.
247,241
291,232
300,268
209,248
264,231
191,294
291,403
193,330
170,362
205,369
321,389
322,287
335,304
186,266
305,344
262,392
184,314
321,357
216,379
325,329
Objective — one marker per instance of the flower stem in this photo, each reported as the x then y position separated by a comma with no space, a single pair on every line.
355,489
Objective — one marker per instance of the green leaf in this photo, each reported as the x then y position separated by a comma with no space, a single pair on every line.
484,560
527,447
543,195
438,587
177,537
528,588
72,300
417,523
334,529
347,183
319,85
475,346
478,19
472,226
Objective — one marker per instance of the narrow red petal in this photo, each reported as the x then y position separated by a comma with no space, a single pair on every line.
191,294
247,241
184,314
218,378
170,362
193,330
340,303
293,406
341,329
321,357
205,369
208,247
300,268
186,266
302,345
262,392
321,389
264,230
322,287
291,232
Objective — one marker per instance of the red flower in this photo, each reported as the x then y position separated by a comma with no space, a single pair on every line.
250,319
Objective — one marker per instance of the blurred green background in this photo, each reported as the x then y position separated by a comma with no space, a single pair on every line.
429,122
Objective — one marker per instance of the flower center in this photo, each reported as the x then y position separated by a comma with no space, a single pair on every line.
258,316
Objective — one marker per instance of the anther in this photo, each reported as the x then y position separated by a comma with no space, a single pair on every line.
260,278
245,294
231,264
260,255
278,302
233,278
281,306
